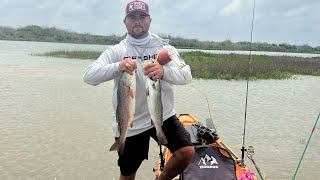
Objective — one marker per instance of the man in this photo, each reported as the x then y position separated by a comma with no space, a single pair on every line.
139,46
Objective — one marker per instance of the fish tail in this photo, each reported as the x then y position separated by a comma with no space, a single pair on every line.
117,146
162,139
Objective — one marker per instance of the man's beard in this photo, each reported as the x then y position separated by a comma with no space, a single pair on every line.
138,33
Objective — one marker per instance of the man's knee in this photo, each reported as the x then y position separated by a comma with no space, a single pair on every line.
185,154
130,177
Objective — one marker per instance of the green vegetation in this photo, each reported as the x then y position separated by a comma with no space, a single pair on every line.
71,54
235,66
37,33
229,66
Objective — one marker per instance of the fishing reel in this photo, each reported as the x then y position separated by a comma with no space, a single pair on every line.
205,134
250,151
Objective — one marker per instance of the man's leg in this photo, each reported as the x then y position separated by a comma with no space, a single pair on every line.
135,151
131,177
179,143
177,163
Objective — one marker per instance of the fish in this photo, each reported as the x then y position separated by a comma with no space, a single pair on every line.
125,108
155,106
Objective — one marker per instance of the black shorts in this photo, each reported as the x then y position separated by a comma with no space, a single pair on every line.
137,147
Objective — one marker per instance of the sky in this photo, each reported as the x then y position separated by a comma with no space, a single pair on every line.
294,22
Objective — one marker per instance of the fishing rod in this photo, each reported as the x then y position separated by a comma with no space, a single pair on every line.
243,149
250,151
305,148
247,89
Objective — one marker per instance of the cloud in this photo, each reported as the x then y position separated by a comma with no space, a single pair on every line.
300,11
311,9
230,8
291,21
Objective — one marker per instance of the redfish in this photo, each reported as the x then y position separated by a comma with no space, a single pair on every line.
125,108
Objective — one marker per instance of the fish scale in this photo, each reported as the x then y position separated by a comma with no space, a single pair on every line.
156,108
125,108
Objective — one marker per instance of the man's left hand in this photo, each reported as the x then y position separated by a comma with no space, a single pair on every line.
153,70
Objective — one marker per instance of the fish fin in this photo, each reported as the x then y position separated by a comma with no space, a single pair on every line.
131,124
154,85
152,123
131,92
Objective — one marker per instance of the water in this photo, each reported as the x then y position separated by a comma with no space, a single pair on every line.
54,126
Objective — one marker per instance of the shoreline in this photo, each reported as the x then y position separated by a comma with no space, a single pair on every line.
227,66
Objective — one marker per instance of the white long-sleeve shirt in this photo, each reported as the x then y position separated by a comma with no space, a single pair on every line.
106,68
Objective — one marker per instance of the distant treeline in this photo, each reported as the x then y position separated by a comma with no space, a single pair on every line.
44,34
52,34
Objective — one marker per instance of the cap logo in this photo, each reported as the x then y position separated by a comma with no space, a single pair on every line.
137,6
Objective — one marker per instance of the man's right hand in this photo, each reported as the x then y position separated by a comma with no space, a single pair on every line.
128,65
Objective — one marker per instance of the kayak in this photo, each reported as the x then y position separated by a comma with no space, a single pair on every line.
213,159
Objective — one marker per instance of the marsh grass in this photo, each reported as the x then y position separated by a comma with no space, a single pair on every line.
228,66
71,54
235,66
